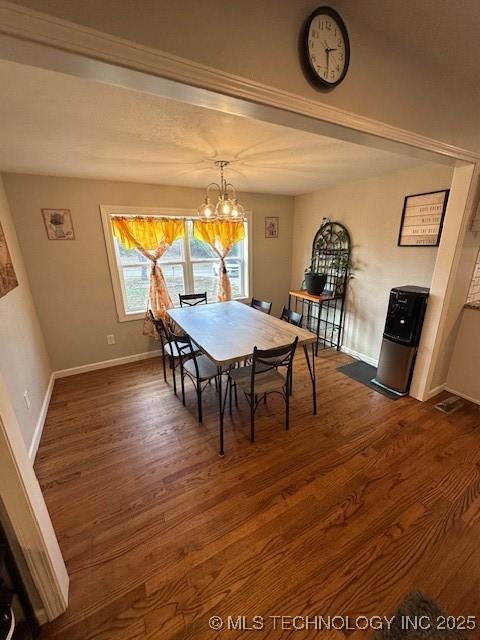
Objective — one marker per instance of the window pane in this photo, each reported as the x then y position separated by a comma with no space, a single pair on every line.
129,256
137,285
199,250
236,251
173,274
173,253
205,278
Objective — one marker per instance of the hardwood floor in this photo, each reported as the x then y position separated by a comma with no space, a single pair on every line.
345,514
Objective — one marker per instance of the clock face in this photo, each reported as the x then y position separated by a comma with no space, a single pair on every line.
326,47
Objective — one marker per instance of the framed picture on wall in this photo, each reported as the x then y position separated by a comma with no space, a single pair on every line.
58,224
8,279
271,226
422,219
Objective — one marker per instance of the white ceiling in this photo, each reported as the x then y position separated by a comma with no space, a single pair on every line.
60,125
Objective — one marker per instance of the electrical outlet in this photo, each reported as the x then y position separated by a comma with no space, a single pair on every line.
26,398
110,338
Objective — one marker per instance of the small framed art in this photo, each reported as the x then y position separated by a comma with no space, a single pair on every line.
58,224
271,226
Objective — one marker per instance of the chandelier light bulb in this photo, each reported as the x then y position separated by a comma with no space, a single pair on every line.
206,209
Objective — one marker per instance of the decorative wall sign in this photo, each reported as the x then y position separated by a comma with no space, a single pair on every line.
58,223
271,226
422,219
8,279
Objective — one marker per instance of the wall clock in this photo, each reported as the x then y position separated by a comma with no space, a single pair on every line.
326,47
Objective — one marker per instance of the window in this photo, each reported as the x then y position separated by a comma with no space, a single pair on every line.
188,266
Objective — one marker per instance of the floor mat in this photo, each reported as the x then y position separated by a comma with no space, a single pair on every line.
364,373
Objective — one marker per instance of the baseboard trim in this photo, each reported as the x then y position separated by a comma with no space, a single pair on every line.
435,391
105,364
73,371
462,395
32,451
359,356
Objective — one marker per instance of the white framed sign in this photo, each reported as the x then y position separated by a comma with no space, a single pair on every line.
422,219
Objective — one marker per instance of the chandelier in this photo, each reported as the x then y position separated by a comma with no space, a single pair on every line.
227,205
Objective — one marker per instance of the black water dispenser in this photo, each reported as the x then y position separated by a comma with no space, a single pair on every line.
403,327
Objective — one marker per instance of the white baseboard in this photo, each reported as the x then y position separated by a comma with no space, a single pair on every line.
462,395
32,451
435,391
63,373
104,364
359,356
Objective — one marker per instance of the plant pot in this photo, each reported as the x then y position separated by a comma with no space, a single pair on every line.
315,283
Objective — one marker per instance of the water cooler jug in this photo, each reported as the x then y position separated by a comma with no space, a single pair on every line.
403,327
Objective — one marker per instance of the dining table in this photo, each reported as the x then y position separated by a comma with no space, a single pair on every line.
228,332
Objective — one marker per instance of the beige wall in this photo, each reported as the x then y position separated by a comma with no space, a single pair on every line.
371,210
24,363
71,280
388,80
464,373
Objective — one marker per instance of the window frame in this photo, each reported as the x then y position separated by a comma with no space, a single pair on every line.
115,267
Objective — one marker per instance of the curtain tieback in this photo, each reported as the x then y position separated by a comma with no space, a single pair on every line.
224,268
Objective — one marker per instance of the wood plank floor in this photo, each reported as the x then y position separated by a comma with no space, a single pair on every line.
343,515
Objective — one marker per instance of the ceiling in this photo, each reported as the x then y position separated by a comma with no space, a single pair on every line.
55,124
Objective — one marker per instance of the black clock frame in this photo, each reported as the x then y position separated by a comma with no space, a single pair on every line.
311,73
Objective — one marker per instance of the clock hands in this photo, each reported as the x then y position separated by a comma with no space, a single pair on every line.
328,50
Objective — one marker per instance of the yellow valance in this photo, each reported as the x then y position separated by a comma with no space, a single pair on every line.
148,232
223,232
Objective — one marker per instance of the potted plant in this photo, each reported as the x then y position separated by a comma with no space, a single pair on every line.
314,282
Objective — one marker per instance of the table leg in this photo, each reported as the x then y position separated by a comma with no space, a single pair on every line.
220,406
289,302
311,371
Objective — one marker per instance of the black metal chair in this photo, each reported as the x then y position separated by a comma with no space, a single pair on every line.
192,299
261,305
263,377
293,317
169,348
194,365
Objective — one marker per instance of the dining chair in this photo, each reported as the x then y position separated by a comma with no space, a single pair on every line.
192,299
263,377
168,347
261,305
194,365
293,317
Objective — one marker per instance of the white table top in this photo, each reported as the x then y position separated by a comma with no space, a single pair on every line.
228,331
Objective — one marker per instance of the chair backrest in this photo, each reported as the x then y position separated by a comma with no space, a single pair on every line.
192,299
185,348
159,326
261,305
293,317
266,359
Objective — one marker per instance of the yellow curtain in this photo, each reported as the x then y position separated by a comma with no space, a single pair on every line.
221,235
151,237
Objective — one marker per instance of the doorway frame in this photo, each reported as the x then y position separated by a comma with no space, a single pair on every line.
47,42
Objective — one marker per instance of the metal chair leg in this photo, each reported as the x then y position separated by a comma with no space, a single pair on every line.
236,394
287,410
252,420
164,364
199,402
183,387
174,376
230,394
